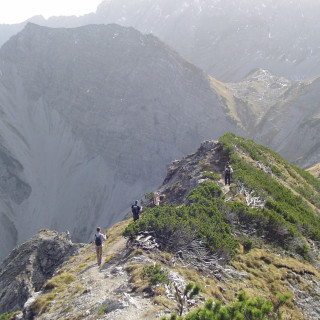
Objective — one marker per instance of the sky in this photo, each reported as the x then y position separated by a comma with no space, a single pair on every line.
15,11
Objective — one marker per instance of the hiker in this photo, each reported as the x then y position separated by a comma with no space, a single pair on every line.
227,173
156,199
135,209
98,239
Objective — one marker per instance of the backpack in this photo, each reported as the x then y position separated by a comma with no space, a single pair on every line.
228,169
135,209
98,240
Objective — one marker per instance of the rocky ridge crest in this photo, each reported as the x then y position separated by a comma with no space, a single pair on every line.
29,265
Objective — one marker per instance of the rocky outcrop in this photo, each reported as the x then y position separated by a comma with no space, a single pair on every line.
29,265
186,174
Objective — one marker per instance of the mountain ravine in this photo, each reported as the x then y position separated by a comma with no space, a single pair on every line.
89,119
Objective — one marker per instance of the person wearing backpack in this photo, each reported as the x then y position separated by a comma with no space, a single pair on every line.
227,173
135,209
98,239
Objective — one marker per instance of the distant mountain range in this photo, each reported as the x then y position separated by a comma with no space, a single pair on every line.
227,39
282,114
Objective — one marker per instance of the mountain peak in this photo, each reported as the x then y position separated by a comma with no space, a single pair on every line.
263,75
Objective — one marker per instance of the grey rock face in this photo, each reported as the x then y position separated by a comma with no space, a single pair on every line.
227,39
13,190
186,174
29,265
92,116
11,185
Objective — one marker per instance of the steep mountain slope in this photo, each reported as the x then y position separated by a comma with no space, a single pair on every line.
277,112
280,37
269,246
227,39
92,116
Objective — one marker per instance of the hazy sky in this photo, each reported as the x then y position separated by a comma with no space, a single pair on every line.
14,11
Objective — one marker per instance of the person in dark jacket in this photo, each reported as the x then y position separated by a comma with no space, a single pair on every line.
227,173
135,209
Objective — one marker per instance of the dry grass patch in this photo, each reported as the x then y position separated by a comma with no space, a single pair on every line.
91,258
59,282
295,266
226,97
211,290
190,275
115,232
79,289
67,310
163,301
135,270
165,257
109,257
42,302
315,170
135,253
72,259
80,267
270,275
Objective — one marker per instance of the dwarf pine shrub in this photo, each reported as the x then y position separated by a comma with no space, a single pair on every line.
243,309
7,316
207,217
201,218
155,274
285,212
210,175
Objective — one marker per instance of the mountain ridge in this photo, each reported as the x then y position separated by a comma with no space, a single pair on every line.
263,265
208,33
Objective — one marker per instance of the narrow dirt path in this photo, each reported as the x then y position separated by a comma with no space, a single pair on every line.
101,292
111,287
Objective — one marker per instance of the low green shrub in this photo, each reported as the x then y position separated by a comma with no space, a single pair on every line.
207,217
285,212
243,309
155,274
210,175
201,218
7,316
247,244
303,250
